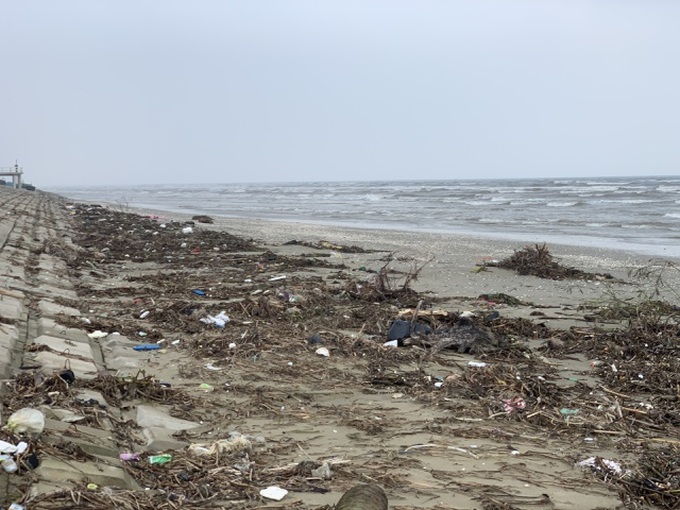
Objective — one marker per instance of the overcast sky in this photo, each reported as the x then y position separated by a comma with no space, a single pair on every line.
142,91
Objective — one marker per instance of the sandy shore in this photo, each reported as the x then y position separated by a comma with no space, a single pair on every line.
296,389
450,262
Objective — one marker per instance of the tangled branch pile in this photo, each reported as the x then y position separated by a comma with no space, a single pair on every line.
538,261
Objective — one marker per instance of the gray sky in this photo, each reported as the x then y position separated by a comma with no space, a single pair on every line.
143,91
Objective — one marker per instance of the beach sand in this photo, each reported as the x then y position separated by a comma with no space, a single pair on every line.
429,428
450,264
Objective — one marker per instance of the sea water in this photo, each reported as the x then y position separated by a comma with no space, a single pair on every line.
638,214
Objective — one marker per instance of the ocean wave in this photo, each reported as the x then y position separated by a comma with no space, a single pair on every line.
589,189
562,204
528,201
599,225
607,183
593,209
625,201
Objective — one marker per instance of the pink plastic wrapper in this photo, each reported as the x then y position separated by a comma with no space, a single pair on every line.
515,404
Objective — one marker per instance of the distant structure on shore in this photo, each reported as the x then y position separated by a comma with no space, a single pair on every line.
16,172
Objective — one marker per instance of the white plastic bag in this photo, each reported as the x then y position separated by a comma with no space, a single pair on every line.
25,421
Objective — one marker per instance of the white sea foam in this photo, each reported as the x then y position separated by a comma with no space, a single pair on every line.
561,204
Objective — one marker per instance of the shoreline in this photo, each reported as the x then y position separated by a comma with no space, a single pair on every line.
450,264
639,251
272,231
622,228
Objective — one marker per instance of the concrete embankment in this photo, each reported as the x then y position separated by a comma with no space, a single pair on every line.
34,240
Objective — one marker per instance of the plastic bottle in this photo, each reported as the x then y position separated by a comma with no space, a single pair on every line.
160,459
8,464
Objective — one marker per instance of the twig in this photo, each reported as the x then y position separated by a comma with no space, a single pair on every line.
604,388
415,317
432,445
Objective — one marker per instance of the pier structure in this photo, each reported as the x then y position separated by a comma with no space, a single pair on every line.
15,172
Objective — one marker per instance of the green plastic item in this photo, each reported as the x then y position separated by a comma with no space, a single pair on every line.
569,412
160,459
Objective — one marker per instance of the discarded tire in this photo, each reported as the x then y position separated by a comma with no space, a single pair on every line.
363,497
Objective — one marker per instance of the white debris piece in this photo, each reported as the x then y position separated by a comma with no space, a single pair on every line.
219,320
273,492
598,463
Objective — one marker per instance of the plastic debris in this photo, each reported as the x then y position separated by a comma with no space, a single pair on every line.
219,320
277,278
206,387
322,351
97,334
569,412
402,329
67,376
187,230
273,492
144,314
476,364
513,405
16,506
391,343
600,464
92,486
315,340
128,457
8,464
210,366
323,471
31,461
163,458
198,292
26,420
6,447
146,347
237,443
